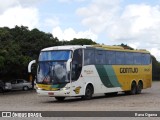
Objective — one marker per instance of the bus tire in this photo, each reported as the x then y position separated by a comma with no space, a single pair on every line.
25,88
60,98
139,87
88,93
133,88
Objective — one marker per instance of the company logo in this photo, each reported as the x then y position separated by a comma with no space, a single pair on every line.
88,71
21,114
77,90
128,70
6,114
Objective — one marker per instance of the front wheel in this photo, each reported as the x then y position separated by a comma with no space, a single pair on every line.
60,98
25,88
88,93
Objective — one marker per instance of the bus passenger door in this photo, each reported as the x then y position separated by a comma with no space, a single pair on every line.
77,80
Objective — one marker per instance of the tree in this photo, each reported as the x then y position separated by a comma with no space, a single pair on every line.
18,46
155,69
80,41
126,46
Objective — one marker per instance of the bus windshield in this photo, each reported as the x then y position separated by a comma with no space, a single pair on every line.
54,55
52,67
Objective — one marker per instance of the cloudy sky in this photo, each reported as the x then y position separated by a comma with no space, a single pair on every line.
132,22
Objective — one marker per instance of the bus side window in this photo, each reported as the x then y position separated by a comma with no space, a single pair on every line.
120,59
111,57
137,58
76,64
89,57
129,58
100,57
146,59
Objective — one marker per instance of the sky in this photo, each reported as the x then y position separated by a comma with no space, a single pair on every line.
111,22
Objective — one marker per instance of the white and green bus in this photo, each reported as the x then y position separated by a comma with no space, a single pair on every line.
67,71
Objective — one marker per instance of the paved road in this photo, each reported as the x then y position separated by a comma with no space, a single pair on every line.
149,100
29,101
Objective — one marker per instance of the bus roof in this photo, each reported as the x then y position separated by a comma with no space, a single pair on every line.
66,47
101,47
119,48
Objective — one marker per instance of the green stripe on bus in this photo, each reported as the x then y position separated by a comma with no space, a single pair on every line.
107,76
103,76
112,76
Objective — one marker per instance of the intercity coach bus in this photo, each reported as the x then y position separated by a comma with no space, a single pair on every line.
65,71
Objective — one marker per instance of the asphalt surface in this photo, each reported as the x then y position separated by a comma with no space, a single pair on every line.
149,100
29,101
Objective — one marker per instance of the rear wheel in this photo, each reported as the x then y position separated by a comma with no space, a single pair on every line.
60,98
139,88
133,88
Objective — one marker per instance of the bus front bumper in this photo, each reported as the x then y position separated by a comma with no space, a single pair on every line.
59,93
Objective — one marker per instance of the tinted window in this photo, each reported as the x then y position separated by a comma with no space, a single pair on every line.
13,82
137,58
110,57
89,57
100,57
77,64
129,58
25,81
19,81
120,59
146,59
54,55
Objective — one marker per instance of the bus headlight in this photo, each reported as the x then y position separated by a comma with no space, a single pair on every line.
39,88
65,88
